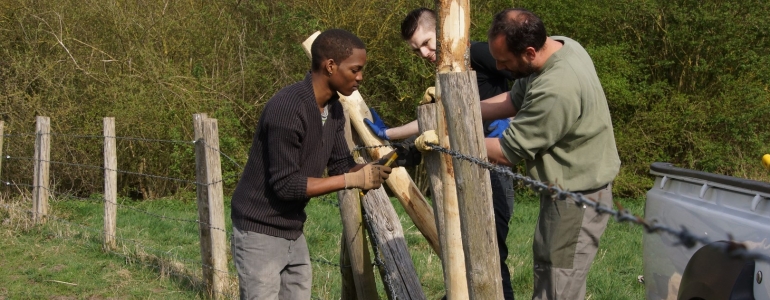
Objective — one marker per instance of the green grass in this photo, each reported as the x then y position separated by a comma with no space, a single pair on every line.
160,254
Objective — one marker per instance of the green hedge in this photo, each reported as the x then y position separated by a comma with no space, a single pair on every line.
687,81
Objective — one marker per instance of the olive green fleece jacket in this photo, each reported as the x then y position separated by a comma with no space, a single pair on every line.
562,129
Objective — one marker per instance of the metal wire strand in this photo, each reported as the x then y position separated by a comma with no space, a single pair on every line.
684,236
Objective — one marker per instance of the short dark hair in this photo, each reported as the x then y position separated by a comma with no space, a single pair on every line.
419,16
521,28
336,44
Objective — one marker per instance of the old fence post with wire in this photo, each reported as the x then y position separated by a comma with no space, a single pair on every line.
213,238
42,160
460,98
110,184
443,189
354,238
2,134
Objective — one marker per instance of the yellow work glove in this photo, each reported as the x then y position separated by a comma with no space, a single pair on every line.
371,176
428,137
429,96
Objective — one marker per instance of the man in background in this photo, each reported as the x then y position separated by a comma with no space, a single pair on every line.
418,30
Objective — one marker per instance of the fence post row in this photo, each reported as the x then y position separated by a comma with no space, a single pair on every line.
40,191
210,205
110,184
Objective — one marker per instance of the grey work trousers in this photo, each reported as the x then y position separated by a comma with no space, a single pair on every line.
271,267
565,244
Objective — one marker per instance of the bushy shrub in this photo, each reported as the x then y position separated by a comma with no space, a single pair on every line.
687,80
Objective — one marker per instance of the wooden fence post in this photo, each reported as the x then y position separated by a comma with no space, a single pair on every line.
2,125
40,191
110,184
397,269
210,205
354,237
459,95
384,227
442,181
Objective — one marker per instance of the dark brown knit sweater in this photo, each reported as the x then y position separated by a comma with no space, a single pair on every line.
290,145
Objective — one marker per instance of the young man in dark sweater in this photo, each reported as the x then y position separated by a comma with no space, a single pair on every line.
418,30
300,133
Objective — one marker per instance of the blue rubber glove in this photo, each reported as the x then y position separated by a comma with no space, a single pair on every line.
378,127
497,127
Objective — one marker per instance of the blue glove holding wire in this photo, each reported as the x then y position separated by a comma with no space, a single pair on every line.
378,127
497,127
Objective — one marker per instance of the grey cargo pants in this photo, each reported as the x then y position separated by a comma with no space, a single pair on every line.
565,244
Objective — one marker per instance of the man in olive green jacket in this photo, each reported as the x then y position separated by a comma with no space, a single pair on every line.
563,132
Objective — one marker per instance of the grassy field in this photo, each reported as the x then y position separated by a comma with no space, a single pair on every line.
159,252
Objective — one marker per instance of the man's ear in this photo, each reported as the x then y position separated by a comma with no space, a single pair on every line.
330,66
530,53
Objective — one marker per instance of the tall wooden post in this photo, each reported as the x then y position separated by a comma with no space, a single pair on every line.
2,124
40,191
459,94
441,175
354,236
405,190
110,184
210,205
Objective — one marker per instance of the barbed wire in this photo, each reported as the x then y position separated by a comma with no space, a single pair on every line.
221,153
228,157
8,157
128,138
18,134
684,236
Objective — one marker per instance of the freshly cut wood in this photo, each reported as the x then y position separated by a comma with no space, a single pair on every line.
441,175
454,24
407,192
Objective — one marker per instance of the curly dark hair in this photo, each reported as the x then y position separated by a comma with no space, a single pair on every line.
336,44
521,28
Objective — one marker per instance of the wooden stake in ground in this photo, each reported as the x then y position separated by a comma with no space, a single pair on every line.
2,125
110,184
40,191
441,174
354,238
458,91
414,203
210,205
